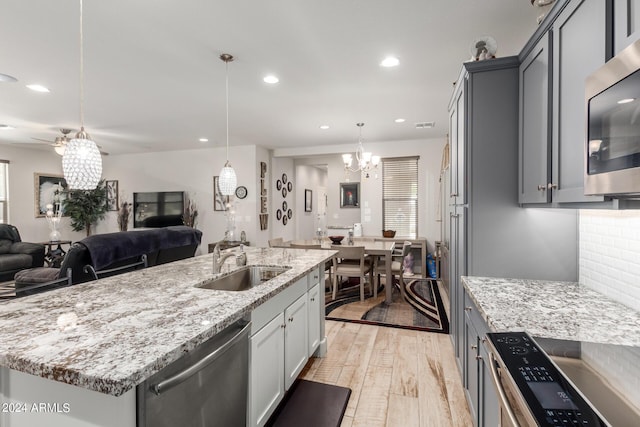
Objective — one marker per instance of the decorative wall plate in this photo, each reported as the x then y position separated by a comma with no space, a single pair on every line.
284,178
278,214
289,213
241,192
284,191
284,220
278,185
284,206
289,186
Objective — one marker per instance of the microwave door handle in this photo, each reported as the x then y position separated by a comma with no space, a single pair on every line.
503,397
180,377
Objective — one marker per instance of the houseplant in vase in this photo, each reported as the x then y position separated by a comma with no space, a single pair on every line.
86,207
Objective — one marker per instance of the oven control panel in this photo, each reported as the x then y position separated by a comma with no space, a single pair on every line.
553,401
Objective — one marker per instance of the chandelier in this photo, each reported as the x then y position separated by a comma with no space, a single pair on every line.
365,161
81,161
228,180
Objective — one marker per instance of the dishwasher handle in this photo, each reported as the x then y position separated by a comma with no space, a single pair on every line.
180,377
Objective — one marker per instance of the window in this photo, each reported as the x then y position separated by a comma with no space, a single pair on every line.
400,196
4,191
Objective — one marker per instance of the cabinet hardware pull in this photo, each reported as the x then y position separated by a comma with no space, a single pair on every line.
454,215
542,187
313,299
283,326
484,340
291,319
474,347
552,186
453,195
467,308
478,357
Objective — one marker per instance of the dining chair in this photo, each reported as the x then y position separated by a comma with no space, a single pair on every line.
351,262
276,242
303,246
397,269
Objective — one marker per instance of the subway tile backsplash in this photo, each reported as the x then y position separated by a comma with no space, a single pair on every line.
610,254
610,263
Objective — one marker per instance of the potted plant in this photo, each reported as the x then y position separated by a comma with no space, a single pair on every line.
86,207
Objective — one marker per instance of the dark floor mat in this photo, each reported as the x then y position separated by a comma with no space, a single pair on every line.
311,404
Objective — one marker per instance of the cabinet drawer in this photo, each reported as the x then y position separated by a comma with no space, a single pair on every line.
476,319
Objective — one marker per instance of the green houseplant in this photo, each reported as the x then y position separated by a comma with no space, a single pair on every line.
86,207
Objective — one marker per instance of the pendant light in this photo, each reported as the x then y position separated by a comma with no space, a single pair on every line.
81,161
365,161
228,180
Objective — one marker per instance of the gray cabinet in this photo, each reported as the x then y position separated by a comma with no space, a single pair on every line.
534,129
626,23
578,39
479,388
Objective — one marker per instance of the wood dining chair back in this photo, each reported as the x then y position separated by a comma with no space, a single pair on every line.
351,262
303,246
397,268
274,243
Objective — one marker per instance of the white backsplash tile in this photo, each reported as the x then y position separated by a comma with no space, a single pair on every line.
609,259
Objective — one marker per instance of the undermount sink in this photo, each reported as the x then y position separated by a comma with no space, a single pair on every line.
244,278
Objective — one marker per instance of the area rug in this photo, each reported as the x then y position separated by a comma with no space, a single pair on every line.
311,404
421,310
7,290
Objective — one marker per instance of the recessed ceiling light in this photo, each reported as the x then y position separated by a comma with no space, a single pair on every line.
399,120
324,127
7,78
626,100
6,127
271,79
203,140
38,88
390,61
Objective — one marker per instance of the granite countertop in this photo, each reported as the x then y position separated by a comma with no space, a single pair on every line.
112,334
548,309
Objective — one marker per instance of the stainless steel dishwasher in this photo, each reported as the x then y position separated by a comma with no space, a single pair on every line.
206,387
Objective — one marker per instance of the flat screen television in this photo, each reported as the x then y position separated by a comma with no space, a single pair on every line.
158,209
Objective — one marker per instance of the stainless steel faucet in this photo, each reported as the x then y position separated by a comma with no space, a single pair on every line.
218,259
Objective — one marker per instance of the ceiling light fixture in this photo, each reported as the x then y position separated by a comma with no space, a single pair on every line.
271,79
324,127
38,88
228,180
626,100
81,161
203,140
399,120
365,161
390,61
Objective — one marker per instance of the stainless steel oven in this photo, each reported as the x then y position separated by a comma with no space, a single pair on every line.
531,388
612,151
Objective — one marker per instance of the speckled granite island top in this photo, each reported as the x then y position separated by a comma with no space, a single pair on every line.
112,334
561,310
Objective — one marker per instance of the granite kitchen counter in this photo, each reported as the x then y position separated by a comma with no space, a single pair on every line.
560,310
112,334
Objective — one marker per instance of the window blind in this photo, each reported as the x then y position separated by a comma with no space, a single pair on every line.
400,196
4,190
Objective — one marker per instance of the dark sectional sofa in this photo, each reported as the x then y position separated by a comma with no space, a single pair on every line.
108,252
16,255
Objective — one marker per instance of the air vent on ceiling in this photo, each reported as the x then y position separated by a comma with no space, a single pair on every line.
425,125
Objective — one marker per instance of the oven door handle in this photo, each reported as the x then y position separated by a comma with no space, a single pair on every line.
503,396
180,377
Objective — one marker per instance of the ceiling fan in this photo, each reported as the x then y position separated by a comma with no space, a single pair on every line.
60,143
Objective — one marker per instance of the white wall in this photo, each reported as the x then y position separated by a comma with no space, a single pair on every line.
24,163
308,178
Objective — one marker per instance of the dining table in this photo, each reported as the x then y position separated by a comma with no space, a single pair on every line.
371,247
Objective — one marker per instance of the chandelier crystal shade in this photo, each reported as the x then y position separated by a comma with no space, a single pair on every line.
365,160
81,160
228,180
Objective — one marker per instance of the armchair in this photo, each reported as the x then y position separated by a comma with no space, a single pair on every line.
16,255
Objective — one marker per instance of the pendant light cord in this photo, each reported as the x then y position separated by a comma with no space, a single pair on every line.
81,71
226,63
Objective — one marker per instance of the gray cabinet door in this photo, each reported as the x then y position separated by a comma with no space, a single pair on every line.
626,23
579,48
471,371
534,125
457,117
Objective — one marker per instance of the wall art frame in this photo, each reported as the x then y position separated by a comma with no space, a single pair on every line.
48,189
349,194
308,200
112,195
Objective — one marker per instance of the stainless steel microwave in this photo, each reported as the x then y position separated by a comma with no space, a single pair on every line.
612,149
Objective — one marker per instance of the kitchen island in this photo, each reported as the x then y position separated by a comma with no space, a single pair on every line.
103,338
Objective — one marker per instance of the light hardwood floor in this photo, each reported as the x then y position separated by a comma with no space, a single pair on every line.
398,377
